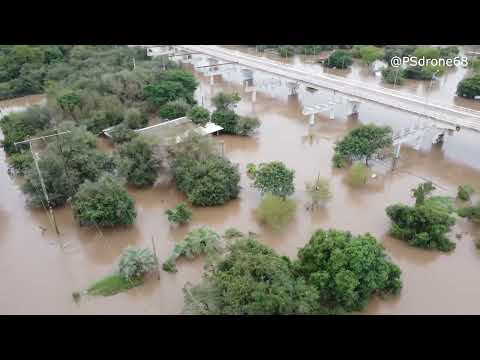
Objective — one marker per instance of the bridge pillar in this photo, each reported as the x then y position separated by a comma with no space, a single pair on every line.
211,79
254,95
332,110
312,119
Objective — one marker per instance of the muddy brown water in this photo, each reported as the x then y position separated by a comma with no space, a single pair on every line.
38,276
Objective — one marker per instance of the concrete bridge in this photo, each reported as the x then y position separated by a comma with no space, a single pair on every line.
449,114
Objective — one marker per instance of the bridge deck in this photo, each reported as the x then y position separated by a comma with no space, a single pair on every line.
450,114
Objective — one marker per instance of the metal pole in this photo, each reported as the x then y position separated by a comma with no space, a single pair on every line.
44,189
156,257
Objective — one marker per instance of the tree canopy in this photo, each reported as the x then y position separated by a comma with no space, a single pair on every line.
340,59
273,177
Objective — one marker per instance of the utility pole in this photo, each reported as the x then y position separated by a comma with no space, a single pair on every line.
133,63
42,183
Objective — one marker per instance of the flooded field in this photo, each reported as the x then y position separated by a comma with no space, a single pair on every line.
39,271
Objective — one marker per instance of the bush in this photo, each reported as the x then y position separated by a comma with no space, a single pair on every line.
465,192
370,53
339,59
347,270
246,125
358,175
103,203
392,75
122,134
319,191
199,115
199,241
174,109
227,119
180,214
426,224
275,211
226,101
274,178
138,162
422,72
207,182
21,162
135,263
135,119
469,87
364,142
251,280
339,161
471,213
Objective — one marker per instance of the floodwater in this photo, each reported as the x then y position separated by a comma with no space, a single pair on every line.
38,275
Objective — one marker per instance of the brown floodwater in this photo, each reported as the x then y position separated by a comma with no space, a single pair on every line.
39,271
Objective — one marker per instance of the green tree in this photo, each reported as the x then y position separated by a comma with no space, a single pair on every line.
275,211
246,125
465,192
274,178
251,280
427,223
181,214
199,115
370,53
347,270
174,109
138,161
393,75
286,51
470,87
364,142
122,134
339,59
103,203
135,119
227,119
207,182
470,212
226,101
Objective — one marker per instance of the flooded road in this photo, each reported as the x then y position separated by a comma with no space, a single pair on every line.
39,277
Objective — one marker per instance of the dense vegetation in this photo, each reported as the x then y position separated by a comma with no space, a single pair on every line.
465,192
318,191
340,59
362,143
426,224
335,272
206,177
225,116
469,87
104,203
276,211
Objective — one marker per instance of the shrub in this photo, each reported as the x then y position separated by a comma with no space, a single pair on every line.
138,161
207,182
122,134
246,125
319,191
251,279
135,119
275,211
469,87
347,270
103,203
465,192
370,53
199,115
470,212
226,101
180,214
392,75
199,241
174,109
358,175
273,177
339,161
286,51
339,59
21,162
421,192
227,119
135,263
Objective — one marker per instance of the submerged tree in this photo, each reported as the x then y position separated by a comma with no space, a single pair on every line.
181,214
275,211
104,203
347,270
319,191
273,177
364,142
